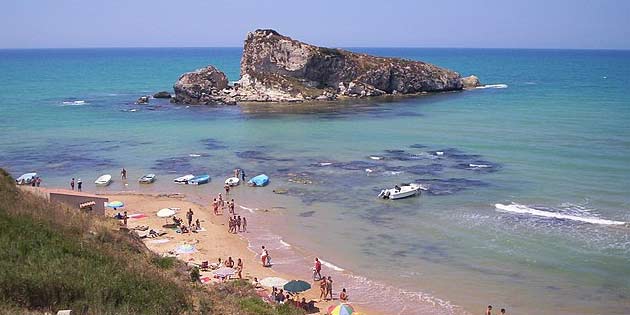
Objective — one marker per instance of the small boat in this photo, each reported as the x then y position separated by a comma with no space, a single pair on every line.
103,180
200,179
147,179
232,181
26,179
259,181
184,179
400,192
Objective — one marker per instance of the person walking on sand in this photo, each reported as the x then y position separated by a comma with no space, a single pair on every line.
239,268
244,224
317,269
238,223
72,183
189,216
489,310
329,287
123,174
79,185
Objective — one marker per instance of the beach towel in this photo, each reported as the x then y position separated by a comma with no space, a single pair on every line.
136,216
205,280
162,241
185,249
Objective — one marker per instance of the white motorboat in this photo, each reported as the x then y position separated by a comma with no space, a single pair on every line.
400,192
183,179
232,181
103,180
26,179
147,179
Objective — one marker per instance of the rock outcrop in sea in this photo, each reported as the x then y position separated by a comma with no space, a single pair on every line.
277,68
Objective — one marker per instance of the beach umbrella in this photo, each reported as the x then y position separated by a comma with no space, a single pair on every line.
273,282
165,213
341,309
224,272
297,286
185,249
116,204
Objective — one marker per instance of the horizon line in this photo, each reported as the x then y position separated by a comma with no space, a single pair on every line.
345,47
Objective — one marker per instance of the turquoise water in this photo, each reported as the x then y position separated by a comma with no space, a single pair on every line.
550,146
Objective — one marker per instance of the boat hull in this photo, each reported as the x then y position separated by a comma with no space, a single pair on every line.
104,180
199,180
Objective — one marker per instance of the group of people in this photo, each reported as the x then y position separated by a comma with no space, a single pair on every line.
219,204
489,310
79,184
279,296
191,227
325,284
237,224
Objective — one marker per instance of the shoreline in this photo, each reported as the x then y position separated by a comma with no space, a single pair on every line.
215,241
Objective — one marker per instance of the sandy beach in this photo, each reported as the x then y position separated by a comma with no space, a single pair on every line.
212,242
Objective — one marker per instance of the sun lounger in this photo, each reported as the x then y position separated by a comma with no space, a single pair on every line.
64,312
141,234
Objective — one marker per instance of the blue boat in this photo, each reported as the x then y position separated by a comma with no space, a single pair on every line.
259,181
200,179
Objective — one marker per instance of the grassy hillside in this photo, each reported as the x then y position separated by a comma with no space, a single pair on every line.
54,258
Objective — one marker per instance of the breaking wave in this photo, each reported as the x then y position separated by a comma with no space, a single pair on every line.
493,86
522,209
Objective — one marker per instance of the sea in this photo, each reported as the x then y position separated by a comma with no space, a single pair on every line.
527,179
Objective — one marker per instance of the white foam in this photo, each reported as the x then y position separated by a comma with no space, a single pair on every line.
285,243
517,208
479,165
368,170
439,153
78,102
493,86
246,208
194,155
376,157
325,163
331,266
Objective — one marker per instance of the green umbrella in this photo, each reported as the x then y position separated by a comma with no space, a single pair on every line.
297,286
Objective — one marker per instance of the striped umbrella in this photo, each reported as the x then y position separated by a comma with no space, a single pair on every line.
341,309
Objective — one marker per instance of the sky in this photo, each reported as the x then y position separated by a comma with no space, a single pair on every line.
574,24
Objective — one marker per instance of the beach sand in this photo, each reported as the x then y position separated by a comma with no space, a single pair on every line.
212,243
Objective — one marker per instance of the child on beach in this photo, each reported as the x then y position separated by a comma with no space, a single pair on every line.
343,296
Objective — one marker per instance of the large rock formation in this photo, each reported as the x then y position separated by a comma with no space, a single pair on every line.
276,68
203,86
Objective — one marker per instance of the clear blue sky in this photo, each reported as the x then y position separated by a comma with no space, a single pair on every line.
337,23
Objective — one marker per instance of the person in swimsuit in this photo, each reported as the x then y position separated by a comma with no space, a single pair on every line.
123,174
239,268
502,311
244,224
72,184
215,206
317,269
343,296
489,310
264,256
238,223
189,216
322,289
79,184
329,287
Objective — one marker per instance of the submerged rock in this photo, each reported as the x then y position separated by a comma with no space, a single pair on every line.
277,68
162,94
471,82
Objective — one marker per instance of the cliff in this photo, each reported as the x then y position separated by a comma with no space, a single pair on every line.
277,68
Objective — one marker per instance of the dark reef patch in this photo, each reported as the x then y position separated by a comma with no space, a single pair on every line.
448,186
213,144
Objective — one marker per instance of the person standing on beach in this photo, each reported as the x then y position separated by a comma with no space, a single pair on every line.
39,181
79,184
244,224
215,206
198,224
125,217
502,311
489,310
227,189
236,172
221,202
242,175
123,174
239,268
263,256
238,223
72,183
317,269
322,289
329,287
189,216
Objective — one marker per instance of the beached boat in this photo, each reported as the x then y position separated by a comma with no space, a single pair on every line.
200,179
259,181
183,179
103,180
400,192
232,181
147,179
26,179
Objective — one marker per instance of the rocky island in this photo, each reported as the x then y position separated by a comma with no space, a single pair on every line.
277,68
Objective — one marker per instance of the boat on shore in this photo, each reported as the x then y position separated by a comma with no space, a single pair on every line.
26,179
182,180
103,180
399,192
259,181
232,181
200,179
147,179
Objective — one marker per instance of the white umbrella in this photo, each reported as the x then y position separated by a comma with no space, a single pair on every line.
224,272
273,282
165,213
